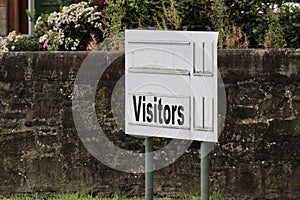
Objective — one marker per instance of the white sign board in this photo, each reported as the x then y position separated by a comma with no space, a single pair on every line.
171,84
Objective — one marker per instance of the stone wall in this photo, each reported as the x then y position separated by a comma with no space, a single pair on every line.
258,154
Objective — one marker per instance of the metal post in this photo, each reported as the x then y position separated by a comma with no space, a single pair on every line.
30,24
204,171
149,168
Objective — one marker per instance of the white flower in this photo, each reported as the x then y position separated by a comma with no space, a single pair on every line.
43,38
3,47
70,24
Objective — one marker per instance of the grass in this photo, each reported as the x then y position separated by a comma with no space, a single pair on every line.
82,196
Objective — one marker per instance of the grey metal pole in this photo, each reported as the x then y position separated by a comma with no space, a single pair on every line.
30,23
204,170
149,168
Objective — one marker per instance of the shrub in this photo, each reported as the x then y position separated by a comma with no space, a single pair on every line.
236,39
220,20
114,14
141,13
17,42
240,23
289,19
274,37
73,28
170,18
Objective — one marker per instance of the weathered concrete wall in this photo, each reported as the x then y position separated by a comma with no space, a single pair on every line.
259,150
258,154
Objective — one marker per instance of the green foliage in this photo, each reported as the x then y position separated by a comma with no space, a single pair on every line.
170,18
141,13
114,14
194,14
31,15
73,28
240,23
83,196
261,21
245,14
220,21
17,42
255,19
235,38
274,37
289,19
189,14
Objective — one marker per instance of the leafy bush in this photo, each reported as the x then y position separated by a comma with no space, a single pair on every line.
259,23
17,42
195,14
289,19
274,37
114,14
141,13
73,28
236,39
265,23
240,23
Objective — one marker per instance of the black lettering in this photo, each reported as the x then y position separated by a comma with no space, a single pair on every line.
180,115
159,111
174,108
137,108
155,110
149,112
144,109
167,117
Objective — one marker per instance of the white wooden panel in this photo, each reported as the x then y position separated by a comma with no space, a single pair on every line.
179,68
159,56
204,58
203,113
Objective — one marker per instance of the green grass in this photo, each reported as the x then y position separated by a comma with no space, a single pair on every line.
82,196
